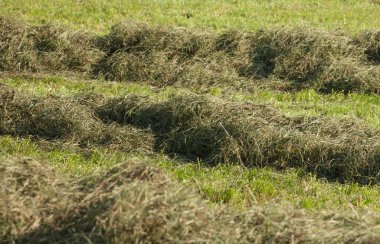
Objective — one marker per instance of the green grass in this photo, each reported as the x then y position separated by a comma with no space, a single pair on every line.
243,188
234,185
310,103
99,15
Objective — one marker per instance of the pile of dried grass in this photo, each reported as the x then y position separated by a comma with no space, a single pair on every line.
199,127
46,48
60,49
326,61
161,56
217,131
165,56
299,54
31,196
286,224
348,75
370,41
65,119
152,200
131,202
306,57
16,46
140,38
136,202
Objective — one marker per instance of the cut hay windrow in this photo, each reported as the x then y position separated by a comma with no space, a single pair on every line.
216,131
45,48
67,120
136,202
199,127
370,41
31,196
162,56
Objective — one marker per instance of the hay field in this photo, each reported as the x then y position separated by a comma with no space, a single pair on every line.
189,121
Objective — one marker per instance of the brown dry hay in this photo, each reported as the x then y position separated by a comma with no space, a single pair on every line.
137,202
31,196
286,224
45,48
348,76
93,213
16,47
297,53
298,56
199,127
140,38
217,131
302,55
66,119
370,41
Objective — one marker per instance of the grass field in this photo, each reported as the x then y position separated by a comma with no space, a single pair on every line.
351,15
218,121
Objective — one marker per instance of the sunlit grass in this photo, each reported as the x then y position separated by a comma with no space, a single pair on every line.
234,185
100,15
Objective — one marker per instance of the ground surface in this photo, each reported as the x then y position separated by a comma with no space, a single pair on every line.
205,129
